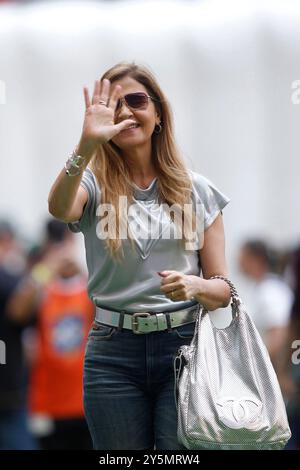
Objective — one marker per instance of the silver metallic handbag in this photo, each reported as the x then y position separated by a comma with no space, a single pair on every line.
226,389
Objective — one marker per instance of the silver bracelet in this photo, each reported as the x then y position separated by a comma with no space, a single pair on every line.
74,164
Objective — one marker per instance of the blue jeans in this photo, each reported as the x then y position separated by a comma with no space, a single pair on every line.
129,388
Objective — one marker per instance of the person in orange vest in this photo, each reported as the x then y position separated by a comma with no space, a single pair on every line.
56,291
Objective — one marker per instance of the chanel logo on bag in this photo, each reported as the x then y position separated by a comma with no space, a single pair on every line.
237,413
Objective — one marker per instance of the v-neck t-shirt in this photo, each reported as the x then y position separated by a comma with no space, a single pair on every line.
134,285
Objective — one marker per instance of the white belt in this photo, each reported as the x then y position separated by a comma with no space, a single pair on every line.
146,322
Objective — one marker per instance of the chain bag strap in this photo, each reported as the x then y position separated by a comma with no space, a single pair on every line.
235,304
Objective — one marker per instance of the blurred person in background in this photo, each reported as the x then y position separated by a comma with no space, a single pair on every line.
289,376
54,292
270,298
14,431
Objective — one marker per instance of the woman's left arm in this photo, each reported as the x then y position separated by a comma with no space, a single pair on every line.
211,293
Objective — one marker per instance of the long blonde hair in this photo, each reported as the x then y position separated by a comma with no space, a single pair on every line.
113,172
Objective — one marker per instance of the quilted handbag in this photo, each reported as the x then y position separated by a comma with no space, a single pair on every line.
226,390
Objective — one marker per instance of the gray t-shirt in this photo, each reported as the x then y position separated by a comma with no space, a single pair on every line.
134,285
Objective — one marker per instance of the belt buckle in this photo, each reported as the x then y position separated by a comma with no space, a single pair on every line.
135,322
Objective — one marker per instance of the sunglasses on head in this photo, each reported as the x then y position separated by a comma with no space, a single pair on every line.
138,100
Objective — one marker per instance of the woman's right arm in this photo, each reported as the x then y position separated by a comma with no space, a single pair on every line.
67,198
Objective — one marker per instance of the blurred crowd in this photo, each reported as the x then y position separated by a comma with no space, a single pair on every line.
45,316
273,303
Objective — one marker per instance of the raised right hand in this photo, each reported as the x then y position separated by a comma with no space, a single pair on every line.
99,121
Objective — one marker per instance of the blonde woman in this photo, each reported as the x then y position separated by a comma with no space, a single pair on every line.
144,261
